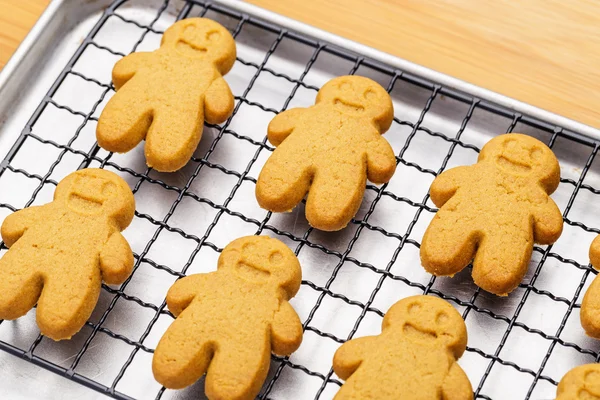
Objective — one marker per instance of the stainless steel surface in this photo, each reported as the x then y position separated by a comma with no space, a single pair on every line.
36,65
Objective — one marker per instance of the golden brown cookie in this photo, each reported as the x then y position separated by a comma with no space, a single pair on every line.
62,251
329,150
166,95
494,211
229,321
590,307
414,357
581,383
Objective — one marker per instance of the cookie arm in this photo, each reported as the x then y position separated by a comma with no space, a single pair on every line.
286,330
446,184
381,161
15,225
183,291
547,222
282,125
456,385
127,66
595,252
351,354
218,102
116,259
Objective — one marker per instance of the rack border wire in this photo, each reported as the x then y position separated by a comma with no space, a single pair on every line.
417,128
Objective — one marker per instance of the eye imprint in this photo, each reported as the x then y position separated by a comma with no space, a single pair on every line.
213,35
345,85
441,318
370,94
414,308
536,153
249,247
275,257
189,30
109,189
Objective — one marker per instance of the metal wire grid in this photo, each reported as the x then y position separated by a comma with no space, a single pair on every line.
280,365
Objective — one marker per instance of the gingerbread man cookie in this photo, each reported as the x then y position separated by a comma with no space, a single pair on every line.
414,357
229,321
60,253
166,95
581,383
495,211
590,307
329,150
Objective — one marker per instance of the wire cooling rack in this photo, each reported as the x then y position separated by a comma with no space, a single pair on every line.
183,220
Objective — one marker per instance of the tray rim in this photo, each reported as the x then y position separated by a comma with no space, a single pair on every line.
23,50
33,50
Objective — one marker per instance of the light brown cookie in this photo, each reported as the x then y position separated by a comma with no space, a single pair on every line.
229,321
494,211
414,357
590,307
166,95
581,383
329,150
60,252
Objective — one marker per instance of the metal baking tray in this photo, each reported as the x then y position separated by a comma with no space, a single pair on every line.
51,93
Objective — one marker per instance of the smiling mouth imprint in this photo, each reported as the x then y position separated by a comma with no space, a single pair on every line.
341,104
249,273
188,48
84,204
412,331
514,165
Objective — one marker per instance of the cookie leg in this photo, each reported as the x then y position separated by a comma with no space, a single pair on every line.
447,246
173,137
124,122
335,195
501,262
66,303
590,309
238,370
182,356
358,386
283,181
20,285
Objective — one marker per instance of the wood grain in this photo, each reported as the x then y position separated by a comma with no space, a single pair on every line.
16,19
542,52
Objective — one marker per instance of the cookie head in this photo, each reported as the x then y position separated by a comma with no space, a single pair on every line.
94,192
428,319
202,38
582,382
521,155
591,381
264,261
358,96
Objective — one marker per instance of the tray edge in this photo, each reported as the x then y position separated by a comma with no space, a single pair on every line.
33,48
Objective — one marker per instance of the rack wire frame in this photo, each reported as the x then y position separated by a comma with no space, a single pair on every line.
263,226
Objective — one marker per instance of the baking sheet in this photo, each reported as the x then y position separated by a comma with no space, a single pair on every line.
529,339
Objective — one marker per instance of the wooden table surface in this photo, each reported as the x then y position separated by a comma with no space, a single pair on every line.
16,19
542,52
